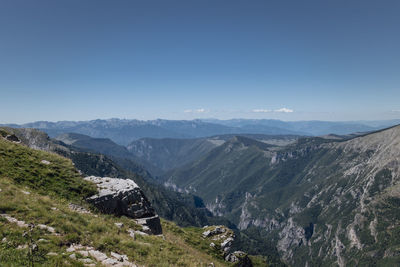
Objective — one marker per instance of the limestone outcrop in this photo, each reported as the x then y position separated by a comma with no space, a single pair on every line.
239,258
222,238
123,197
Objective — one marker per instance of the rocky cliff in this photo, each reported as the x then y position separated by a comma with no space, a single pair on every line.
123,197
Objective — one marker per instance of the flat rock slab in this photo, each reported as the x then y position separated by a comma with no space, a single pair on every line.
107,185
123,197
115,259
13,220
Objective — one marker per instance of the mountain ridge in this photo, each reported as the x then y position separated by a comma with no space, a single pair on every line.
311,197
168,153
124,131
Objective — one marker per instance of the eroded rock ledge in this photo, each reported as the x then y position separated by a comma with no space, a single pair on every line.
124,197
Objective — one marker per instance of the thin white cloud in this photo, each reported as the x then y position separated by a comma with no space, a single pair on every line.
260,110
199,110
280,110
284,110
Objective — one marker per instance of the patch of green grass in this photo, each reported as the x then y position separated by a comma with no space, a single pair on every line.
25,167
3,133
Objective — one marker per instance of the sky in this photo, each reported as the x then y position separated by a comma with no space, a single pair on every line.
288,60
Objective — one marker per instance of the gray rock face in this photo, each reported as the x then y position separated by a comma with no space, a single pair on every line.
151,225
222,239
226,244
216,231
124,197
240,258
13,138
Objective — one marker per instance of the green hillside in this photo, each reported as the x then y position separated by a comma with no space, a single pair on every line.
168,153
107,147
45,172
227,168
38,225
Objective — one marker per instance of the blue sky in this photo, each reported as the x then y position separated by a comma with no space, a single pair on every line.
289,60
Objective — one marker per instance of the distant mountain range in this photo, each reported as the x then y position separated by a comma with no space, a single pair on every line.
312,128
123,132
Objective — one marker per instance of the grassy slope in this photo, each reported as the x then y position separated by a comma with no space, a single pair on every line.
56,185
24,166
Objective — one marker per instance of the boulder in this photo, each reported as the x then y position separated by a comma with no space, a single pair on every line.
239,258
150,225
123,197
226,244
13,138
216,231
206,233
119,225
45,162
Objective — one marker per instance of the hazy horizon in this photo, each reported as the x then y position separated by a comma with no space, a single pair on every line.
194,119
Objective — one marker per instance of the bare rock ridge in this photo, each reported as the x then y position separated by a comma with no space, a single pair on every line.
123,197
